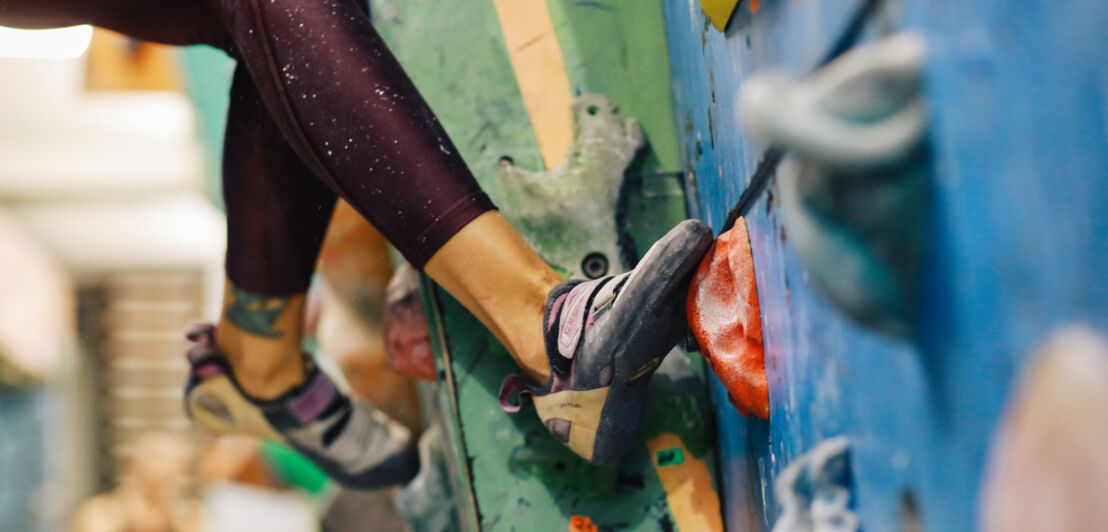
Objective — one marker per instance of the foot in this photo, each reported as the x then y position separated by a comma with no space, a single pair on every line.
604,339
353,442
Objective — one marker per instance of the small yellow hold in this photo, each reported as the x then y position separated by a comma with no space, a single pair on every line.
719,11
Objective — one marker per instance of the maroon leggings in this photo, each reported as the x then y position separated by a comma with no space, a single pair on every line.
319,108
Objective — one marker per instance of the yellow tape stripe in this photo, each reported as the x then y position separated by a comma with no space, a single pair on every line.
540,72
688,485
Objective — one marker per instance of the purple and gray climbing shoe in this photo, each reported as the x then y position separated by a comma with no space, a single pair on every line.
353,442
604,339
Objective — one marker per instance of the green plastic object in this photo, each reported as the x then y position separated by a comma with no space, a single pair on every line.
293,469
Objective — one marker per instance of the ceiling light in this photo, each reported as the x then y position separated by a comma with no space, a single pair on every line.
61,42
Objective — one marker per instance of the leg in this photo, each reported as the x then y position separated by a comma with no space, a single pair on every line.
249,374
506,287
347,108
277,213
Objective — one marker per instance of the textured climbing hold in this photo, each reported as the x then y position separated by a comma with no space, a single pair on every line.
568,213
860,111
727,322
407,341
815,490
1048,469
853,188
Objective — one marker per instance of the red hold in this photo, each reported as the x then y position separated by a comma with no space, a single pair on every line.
407,340
725,318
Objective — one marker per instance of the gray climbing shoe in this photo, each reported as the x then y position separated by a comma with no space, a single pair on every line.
353,442
604,339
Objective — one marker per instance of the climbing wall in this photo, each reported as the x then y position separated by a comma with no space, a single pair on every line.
508,80
1016,248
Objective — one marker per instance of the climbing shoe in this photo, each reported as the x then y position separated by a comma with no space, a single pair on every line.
354,443
604,339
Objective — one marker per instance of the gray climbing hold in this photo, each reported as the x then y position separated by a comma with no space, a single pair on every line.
567,213
854,184
426,503
815,491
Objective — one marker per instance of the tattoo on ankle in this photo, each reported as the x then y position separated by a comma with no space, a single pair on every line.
256,313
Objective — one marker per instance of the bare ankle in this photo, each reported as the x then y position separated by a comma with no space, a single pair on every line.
264,369
528,340
268,381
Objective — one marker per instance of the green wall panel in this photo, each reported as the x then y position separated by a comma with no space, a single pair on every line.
508,473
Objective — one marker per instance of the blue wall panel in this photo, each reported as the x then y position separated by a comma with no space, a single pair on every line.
1019,243
1019,93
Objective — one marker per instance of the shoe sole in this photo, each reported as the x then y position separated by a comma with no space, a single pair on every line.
215,404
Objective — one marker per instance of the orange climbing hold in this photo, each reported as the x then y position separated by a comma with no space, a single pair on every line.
580,523
725,318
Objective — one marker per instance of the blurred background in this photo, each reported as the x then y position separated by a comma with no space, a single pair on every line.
111,241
